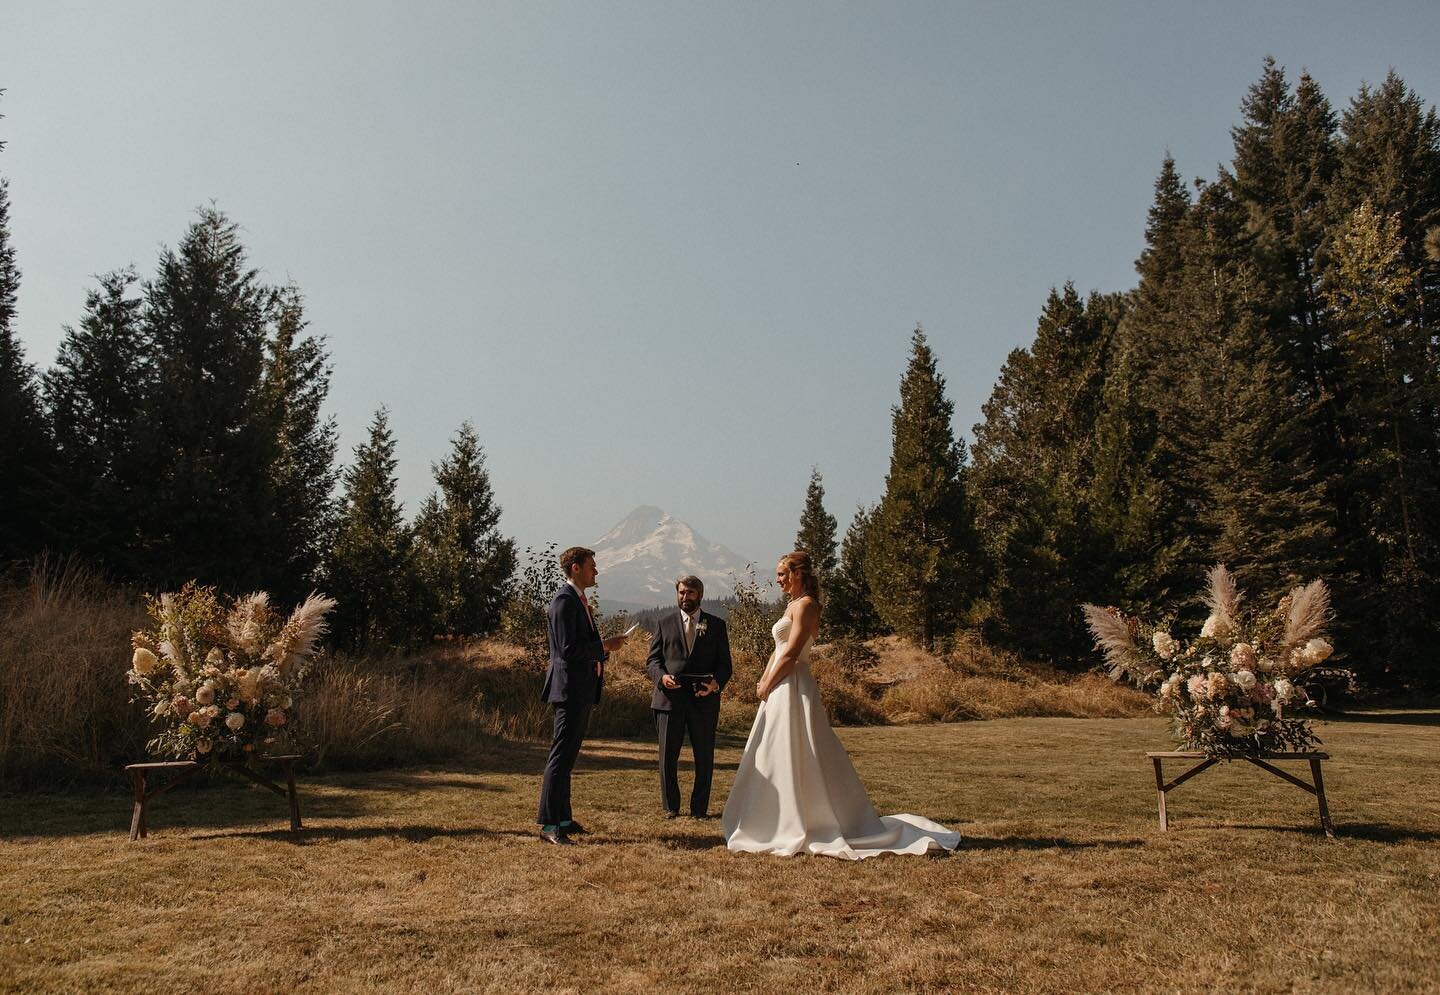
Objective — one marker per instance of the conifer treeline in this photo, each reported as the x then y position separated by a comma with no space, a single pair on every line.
180,434
1267,396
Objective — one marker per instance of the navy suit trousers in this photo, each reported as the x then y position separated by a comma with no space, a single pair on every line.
571,718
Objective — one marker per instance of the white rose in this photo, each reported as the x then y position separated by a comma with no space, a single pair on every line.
1317,651
1165,645
206,694
234,720
1244,680
143,661
1266,665
1217,627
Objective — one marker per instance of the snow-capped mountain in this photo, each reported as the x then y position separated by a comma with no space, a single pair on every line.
640,558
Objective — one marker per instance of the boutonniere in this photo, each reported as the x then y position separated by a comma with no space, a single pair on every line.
700,627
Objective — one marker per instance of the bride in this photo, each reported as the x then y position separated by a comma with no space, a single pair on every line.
795,789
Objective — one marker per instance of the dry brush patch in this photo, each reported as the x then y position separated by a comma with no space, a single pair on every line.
431,879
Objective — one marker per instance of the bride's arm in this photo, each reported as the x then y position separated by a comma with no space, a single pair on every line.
804,622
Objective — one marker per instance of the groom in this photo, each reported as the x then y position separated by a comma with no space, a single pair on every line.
689,664
572,687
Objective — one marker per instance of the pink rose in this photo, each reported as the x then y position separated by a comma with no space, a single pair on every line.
275,717
233,704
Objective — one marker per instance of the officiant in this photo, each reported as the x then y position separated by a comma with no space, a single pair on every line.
689,664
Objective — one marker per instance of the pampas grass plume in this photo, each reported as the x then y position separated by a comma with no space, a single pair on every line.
1113,636
1309,613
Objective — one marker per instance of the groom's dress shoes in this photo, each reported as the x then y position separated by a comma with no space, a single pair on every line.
671,815
574,829
556,836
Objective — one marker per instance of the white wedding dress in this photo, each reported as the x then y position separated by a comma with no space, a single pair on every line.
796,790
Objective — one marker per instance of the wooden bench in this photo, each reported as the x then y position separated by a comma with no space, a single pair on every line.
1317,789
186,769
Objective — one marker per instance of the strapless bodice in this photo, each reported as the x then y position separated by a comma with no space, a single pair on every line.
780,631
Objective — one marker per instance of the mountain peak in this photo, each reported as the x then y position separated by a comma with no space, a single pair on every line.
643,554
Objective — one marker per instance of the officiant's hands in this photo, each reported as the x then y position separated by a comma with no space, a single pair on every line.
669,683
709,687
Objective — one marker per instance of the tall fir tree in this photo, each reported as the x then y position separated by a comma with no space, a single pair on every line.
26,456
1132,499
816,535
465,562
1032,477
1284,164
296,380
920,548
211,438
1386,358
849,609
96,395
369,571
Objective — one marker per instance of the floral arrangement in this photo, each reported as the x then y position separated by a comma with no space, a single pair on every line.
220,681
1234,689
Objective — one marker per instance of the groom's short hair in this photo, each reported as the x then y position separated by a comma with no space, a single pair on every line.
690,580
572,556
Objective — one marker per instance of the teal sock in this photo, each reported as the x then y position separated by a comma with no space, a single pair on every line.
567,822
548,829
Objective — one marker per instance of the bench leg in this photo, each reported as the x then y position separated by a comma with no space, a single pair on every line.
1325,823
137,816
294,797
1160,794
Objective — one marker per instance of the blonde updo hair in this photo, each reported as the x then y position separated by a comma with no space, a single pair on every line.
800,562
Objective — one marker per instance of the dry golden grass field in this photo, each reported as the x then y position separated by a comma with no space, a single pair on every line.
431,880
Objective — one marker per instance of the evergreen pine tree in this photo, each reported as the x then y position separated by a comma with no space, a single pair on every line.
369,568
211,440
920,550
96,394
849,610
1387,360
465,562
1032,475
817,528
1131,500
26,458
296,383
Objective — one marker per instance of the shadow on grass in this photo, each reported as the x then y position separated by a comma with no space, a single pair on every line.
1374,832
417,781
331,834
1044,843
1407,718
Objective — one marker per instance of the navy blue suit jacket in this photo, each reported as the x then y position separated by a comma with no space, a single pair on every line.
575,649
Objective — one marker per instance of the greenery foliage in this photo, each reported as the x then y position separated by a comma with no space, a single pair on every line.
465,564
919,560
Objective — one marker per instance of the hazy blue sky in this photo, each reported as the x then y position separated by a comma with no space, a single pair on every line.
658,253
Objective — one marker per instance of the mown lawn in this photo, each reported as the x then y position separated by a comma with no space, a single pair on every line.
433,881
